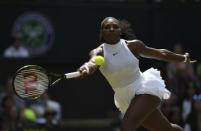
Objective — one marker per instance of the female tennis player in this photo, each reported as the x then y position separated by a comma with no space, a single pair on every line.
137,94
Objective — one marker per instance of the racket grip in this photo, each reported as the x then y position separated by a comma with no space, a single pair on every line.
72,75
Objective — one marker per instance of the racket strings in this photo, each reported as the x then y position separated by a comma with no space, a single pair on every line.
31,83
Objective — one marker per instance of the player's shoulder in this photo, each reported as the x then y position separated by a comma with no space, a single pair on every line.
100,50
97,51
136,46
135,43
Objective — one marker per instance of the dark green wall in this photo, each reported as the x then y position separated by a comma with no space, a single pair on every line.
77,25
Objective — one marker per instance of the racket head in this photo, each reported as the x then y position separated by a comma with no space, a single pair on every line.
30,82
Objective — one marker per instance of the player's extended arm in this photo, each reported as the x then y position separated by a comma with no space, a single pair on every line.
90,67
160,54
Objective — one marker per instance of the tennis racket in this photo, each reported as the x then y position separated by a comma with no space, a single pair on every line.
31,81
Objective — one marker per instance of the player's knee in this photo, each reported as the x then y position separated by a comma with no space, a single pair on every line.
172,127
176,127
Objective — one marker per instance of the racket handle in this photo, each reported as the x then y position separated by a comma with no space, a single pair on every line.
72,75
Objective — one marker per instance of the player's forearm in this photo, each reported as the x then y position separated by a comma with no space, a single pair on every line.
92,66
171,56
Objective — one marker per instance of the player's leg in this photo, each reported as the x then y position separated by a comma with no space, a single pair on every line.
141,107
156,121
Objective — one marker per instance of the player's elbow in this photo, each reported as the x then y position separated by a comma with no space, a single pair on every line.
164,52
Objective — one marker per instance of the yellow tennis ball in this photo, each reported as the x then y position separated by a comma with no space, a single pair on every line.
29,114
99,60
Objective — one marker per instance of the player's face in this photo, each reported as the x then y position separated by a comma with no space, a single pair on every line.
111,31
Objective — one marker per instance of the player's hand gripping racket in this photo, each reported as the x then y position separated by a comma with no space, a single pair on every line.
32,81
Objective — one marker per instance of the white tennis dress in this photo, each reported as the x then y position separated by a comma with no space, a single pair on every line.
121,69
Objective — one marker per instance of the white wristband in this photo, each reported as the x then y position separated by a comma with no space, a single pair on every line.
185,58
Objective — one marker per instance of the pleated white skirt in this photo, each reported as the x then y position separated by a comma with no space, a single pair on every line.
149,82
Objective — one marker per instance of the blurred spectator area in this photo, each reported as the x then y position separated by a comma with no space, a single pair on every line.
76,24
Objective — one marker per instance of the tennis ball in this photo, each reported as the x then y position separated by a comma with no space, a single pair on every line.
29,114
99,60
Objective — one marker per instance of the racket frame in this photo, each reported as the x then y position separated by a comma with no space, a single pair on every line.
49,75
35,67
